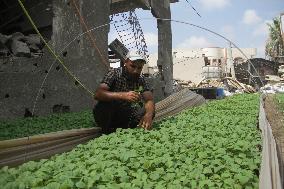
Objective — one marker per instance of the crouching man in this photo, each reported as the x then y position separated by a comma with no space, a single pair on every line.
124,98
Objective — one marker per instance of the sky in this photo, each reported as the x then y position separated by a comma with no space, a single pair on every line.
244,22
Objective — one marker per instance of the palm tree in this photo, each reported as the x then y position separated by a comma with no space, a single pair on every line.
274,47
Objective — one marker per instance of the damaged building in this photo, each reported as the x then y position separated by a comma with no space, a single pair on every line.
253,71
34,82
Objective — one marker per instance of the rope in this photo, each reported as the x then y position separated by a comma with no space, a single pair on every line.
52,51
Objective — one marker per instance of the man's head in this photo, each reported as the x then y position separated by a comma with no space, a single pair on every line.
134,64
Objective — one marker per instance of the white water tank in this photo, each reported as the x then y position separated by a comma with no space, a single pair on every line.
211,72
213,52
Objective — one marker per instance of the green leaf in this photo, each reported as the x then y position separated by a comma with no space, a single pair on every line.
229,181
226,174
80,184
242,179
53,185
124,178
137,182
218,168
154,176
193,184
207,170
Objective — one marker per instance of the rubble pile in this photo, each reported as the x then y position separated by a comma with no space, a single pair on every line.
20,45
236,85
229,83
273,88
184,84
207,83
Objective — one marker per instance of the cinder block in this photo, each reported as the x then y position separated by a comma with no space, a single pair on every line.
20,49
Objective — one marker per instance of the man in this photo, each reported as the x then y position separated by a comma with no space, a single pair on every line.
124,98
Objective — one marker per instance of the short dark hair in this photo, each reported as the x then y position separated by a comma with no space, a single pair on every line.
139,61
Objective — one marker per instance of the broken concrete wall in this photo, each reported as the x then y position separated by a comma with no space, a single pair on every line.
42,14
86,57
13,19
21,78
19,45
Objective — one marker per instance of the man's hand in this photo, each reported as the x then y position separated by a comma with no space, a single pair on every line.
103,94
131,96
146,121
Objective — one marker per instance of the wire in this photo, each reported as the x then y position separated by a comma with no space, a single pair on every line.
182,22
131,36
193,8
203,28
177,21
52,51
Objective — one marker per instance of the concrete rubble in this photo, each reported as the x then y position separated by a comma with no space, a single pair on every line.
273,88
19,45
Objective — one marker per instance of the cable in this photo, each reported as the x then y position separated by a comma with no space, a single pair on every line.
177,21
52,51
182,22
193,8
133,34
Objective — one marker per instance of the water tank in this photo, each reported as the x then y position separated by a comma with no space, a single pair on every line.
211,72
214,52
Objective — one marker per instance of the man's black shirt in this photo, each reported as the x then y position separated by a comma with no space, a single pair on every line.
119,113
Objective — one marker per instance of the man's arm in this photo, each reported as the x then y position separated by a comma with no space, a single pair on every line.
147,119
103,94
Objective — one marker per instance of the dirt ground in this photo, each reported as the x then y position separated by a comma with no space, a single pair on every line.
275,118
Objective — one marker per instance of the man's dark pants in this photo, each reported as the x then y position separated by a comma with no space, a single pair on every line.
111,115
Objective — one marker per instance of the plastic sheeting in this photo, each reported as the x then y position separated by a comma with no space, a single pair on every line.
269,177
177,102
17,151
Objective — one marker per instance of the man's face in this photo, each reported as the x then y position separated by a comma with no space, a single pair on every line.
134,68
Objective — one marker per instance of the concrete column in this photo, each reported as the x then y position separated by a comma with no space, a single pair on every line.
87,56
60,92
161,9
73,17
249,76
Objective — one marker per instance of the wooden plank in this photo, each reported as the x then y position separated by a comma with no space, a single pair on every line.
47,137
13,151
44,153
